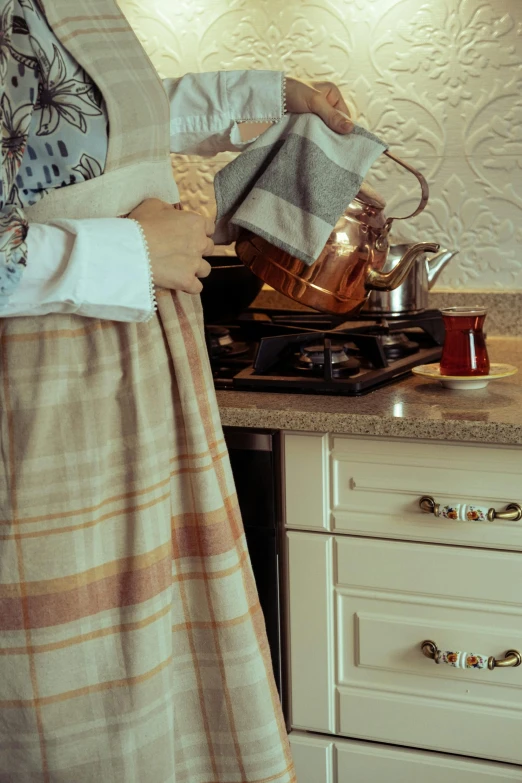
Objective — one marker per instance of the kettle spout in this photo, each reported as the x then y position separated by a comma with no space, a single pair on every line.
388,281
435,265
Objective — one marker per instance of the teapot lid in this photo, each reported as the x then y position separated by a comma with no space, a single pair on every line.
367,195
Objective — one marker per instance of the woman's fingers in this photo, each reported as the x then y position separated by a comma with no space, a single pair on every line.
321,98
209,249
204,269
210,225
335,119
334,97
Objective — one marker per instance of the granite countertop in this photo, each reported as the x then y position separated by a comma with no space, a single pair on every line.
411,408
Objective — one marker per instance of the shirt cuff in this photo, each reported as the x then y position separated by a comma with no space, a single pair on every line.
255,96
116,282
97,268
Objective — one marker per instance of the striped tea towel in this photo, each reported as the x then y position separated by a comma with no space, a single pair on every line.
293,183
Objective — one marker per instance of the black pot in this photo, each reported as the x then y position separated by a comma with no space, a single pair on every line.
230,288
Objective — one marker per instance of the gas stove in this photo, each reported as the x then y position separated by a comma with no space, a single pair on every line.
293,351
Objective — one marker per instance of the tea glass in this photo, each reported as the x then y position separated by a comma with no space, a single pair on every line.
464,352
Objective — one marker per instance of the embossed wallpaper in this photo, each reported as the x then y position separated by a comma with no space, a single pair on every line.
440,81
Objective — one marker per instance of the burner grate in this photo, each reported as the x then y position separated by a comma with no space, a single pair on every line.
288,352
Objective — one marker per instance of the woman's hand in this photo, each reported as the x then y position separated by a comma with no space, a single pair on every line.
178,240
322,98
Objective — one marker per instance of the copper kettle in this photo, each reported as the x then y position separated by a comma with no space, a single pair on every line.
350,266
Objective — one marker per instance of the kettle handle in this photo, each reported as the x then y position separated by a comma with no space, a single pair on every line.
424,189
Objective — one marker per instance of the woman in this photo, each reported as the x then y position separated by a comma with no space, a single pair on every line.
132,646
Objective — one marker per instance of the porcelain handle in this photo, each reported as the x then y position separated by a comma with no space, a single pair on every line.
465,660
468,512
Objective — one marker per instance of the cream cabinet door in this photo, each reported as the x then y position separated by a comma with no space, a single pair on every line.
306,489
314,758
321,760
359,611
311,644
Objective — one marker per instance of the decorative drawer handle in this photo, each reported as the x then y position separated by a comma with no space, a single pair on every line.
463,512
465,660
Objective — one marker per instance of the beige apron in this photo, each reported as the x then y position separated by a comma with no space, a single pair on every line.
132,645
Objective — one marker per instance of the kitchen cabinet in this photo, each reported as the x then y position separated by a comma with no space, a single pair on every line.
370,576
321,760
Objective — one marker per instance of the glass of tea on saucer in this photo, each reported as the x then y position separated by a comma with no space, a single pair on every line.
464,352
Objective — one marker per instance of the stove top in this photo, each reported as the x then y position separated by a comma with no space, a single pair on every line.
289,351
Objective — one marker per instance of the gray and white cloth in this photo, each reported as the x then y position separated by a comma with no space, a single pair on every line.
293,183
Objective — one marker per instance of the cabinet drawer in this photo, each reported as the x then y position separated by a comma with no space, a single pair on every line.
357,668
320,760
376,487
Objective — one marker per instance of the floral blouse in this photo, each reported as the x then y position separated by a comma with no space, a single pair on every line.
55,126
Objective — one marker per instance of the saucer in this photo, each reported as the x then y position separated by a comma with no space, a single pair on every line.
496,371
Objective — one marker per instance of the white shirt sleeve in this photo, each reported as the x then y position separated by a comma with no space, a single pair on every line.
98,268
205,108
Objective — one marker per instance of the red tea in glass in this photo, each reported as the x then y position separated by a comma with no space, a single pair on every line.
464,351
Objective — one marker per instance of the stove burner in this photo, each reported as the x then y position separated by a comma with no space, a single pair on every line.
289,351
221,345
396,346
311,359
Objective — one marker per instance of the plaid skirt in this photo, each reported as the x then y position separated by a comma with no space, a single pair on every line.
132,644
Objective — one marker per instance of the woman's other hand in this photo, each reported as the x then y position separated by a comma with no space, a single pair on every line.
178,240
321,98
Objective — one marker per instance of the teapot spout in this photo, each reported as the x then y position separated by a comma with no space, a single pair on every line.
388,281
435,265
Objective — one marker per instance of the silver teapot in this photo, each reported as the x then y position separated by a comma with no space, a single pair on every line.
412,295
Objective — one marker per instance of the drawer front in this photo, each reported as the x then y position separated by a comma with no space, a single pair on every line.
319,760
376,486
389,598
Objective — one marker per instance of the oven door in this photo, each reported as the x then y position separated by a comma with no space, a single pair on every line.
254,460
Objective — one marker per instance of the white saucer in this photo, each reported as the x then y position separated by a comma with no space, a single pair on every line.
496,371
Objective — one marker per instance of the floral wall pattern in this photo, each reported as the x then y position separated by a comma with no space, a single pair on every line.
441,82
